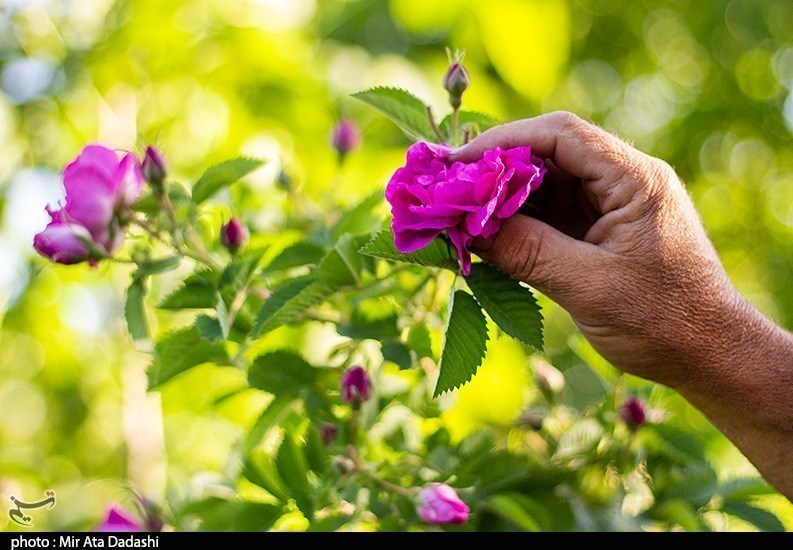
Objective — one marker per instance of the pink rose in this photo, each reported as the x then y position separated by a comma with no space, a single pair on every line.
119,520
98,186
439,504
430,195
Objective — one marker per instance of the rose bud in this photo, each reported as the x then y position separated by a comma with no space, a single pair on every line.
456,81
233,235
155,167
355,385
61,241
549,379
328,433
346,137
633,412
439,504
119,520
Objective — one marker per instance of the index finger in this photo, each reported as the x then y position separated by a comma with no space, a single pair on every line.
577,147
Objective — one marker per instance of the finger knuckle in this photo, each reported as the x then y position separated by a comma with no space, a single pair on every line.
567,121
523,258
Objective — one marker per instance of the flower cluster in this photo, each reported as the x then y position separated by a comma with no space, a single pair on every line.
431,194
100,186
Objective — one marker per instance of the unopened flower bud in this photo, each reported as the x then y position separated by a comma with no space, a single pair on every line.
549,379
233,235
439,504
346,137
633,412
155,167
456,81
355,385
328,433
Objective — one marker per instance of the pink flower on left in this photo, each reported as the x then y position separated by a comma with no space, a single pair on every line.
431,194
99,185
119,520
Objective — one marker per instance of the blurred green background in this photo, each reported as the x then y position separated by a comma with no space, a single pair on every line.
704,85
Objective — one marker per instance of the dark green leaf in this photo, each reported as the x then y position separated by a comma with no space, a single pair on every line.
680,512
477,122
179,351
269,418
290,461
238,273
157,266
397,352
360,327
405,109
289,301
512,306
209,329
281,373
438,253
135,311
762,519
517,509
260,469
464,342
742,488
296,255
217,514
221,175
197,292
419,340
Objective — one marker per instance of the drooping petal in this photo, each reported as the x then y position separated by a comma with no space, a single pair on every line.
128,180
62,242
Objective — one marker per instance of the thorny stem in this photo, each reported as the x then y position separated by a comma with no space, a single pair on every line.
434,125
202,256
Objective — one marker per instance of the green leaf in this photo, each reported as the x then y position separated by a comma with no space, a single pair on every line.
361,218
289,301
512,306
290,461
217,514
762,519
397,352
135,311
209,328
516,509
579,438
221,175
405,109
270,417
742,488
157,266
436,254
464,342
681,512
282,373
361,327
238,273
296,255
180,351
316,454
420,341
478,122
260,469
197,292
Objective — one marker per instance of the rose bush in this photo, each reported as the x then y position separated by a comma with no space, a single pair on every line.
356,429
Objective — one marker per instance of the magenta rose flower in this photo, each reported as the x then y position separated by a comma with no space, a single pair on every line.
439,504
119,520
99,185
355,385
430,195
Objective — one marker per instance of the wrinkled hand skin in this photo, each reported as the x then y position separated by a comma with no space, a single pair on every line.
614,238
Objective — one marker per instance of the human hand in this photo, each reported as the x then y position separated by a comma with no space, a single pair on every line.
617,242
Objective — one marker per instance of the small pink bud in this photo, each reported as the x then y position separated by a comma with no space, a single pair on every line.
233,235
456,81
439,504
155,167
633,412
328,433
355,385
346,137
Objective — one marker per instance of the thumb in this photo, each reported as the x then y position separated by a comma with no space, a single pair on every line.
534,252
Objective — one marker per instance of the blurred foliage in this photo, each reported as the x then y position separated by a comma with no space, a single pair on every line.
705,85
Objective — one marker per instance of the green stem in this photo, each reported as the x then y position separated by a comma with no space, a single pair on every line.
455,125
434,125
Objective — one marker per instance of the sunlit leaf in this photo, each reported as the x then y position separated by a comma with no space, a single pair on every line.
180,351
221,175
476,122
135,311
289,301
436,254
405,109
297,255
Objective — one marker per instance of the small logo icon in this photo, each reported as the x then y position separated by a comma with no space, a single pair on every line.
22,518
